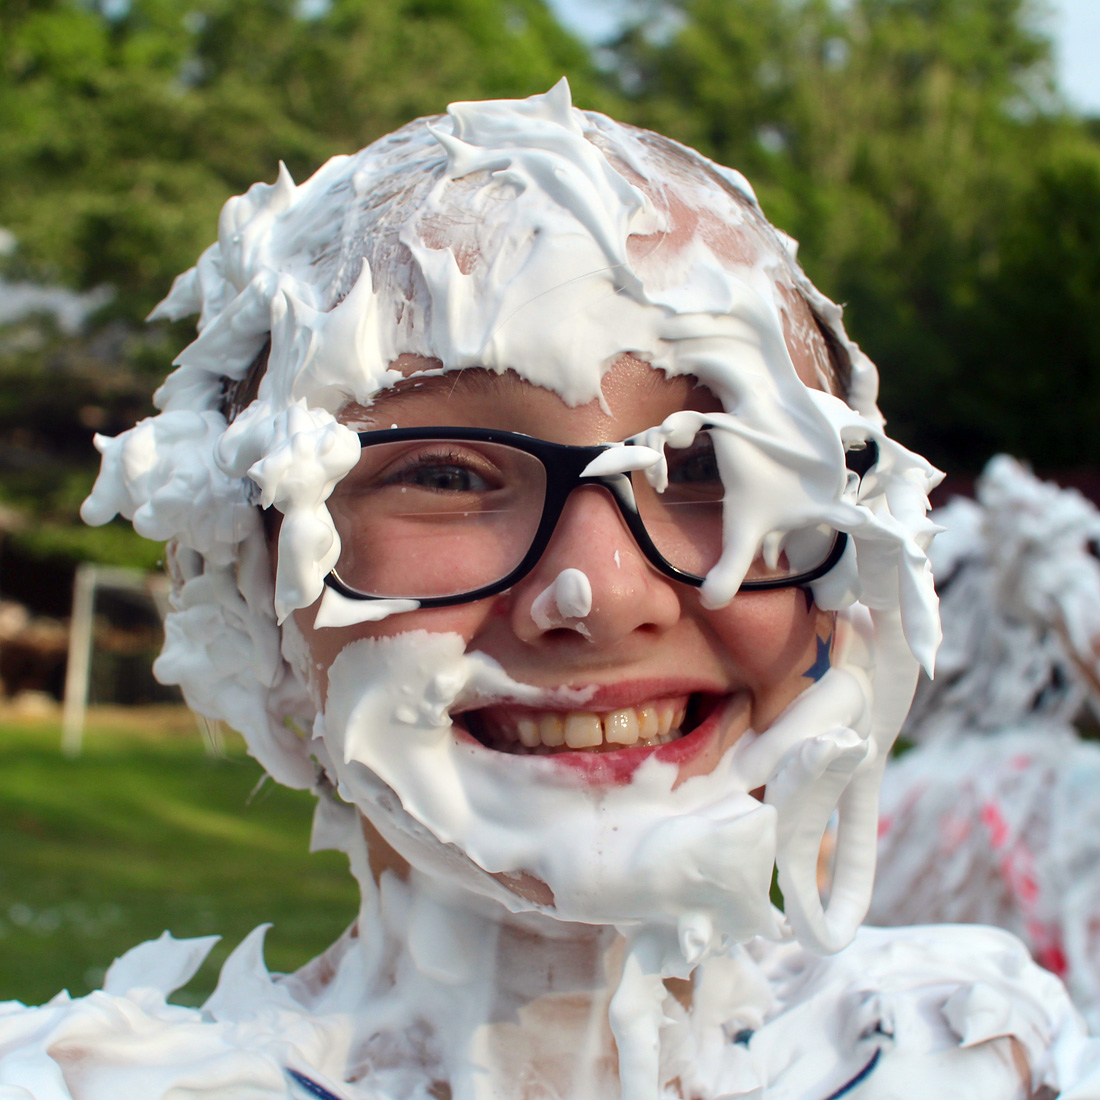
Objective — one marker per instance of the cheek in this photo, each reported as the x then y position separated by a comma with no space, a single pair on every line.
325,644
772,641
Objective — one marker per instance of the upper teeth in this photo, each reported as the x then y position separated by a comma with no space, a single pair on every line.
652,724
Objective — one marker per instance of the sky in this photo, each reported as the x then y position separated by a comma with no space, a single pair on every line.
1073,24
1076,31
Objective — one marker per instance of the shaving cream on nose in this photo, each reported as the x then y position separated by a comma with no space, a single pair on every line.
564,601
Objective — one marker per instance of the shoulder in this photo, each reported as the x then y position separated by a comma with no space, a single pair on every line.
126,1040
939,1010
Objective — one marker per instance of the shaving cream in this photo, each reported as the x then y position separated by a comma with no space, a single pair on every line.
528,236
568,598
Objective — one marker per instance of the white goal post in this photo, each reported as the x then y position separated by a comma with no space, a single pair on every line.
88,580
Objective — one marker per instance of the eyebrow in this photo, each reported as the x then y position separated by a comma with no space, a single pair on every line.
471,381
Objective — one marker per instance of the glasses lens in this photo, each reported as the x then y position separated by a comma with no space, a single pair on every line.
685,521
435,517
800,552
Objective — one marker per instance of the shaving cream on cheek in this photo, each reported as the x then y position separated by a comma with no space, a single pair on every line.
609,855
645,851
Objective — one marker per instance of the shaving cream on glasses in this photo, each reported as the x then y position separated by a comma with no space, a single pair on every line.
434,363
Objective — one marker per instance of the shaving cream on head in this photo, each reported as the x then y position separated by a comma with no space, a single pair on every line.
532,237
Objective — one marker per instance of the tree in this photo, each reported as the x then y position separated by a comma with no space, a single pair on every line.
897,140
1035,343
128,123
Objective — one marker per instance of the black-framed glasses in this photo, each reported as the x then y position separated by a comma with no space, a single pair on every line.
447,516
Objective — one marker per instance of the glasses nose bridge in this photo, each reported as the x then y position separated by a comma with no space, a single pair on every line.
569,476
619,486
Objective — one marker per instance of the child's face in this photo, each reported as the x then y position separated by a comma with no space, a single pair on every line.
653,657
582,739
573,726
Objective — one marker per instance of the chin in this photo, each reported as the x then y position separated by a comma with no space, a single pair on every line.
615,837
619,837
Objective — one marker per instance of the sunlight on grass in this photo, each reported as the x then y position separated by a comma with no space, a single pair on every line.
146,831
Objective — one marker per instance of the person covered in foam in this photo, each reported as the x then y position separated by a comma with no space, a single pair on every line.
990,816
526,501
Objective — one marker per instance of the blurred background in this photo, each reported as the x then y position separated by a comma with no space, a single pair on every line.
938,160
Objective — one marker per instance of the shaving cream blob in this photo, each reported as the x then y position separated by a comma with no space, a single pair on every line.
564,602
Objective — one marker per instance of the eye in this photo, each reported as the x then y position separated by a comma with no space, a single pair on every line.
442,473
1093,547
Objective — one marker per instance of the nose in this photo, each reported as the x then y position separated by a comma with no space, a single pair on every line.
627,595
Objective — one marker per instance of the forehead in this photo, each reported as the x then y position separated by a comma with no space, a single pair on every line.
426,391
635,397
689,232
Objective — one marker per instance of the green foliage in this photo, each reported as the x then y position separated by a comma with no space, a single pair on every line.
123,137
1036,344
145,832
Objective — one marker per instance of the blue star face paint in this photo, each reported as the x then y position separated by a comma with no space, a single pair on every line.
821,663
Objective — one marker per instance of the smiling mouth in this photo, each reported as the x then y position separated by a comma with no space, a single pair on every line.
523,731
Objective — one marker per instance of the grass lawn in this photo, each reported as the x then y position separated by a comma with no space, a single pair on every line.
146,831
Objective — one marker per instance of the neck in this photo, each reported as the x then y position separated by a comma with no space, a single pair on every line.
524,997
452,995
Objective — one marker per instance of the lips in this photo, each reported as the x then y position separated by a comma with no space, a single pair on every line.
690,734
623,730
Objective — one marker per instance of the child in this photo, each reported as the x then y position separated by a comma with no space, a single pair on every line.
528,503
